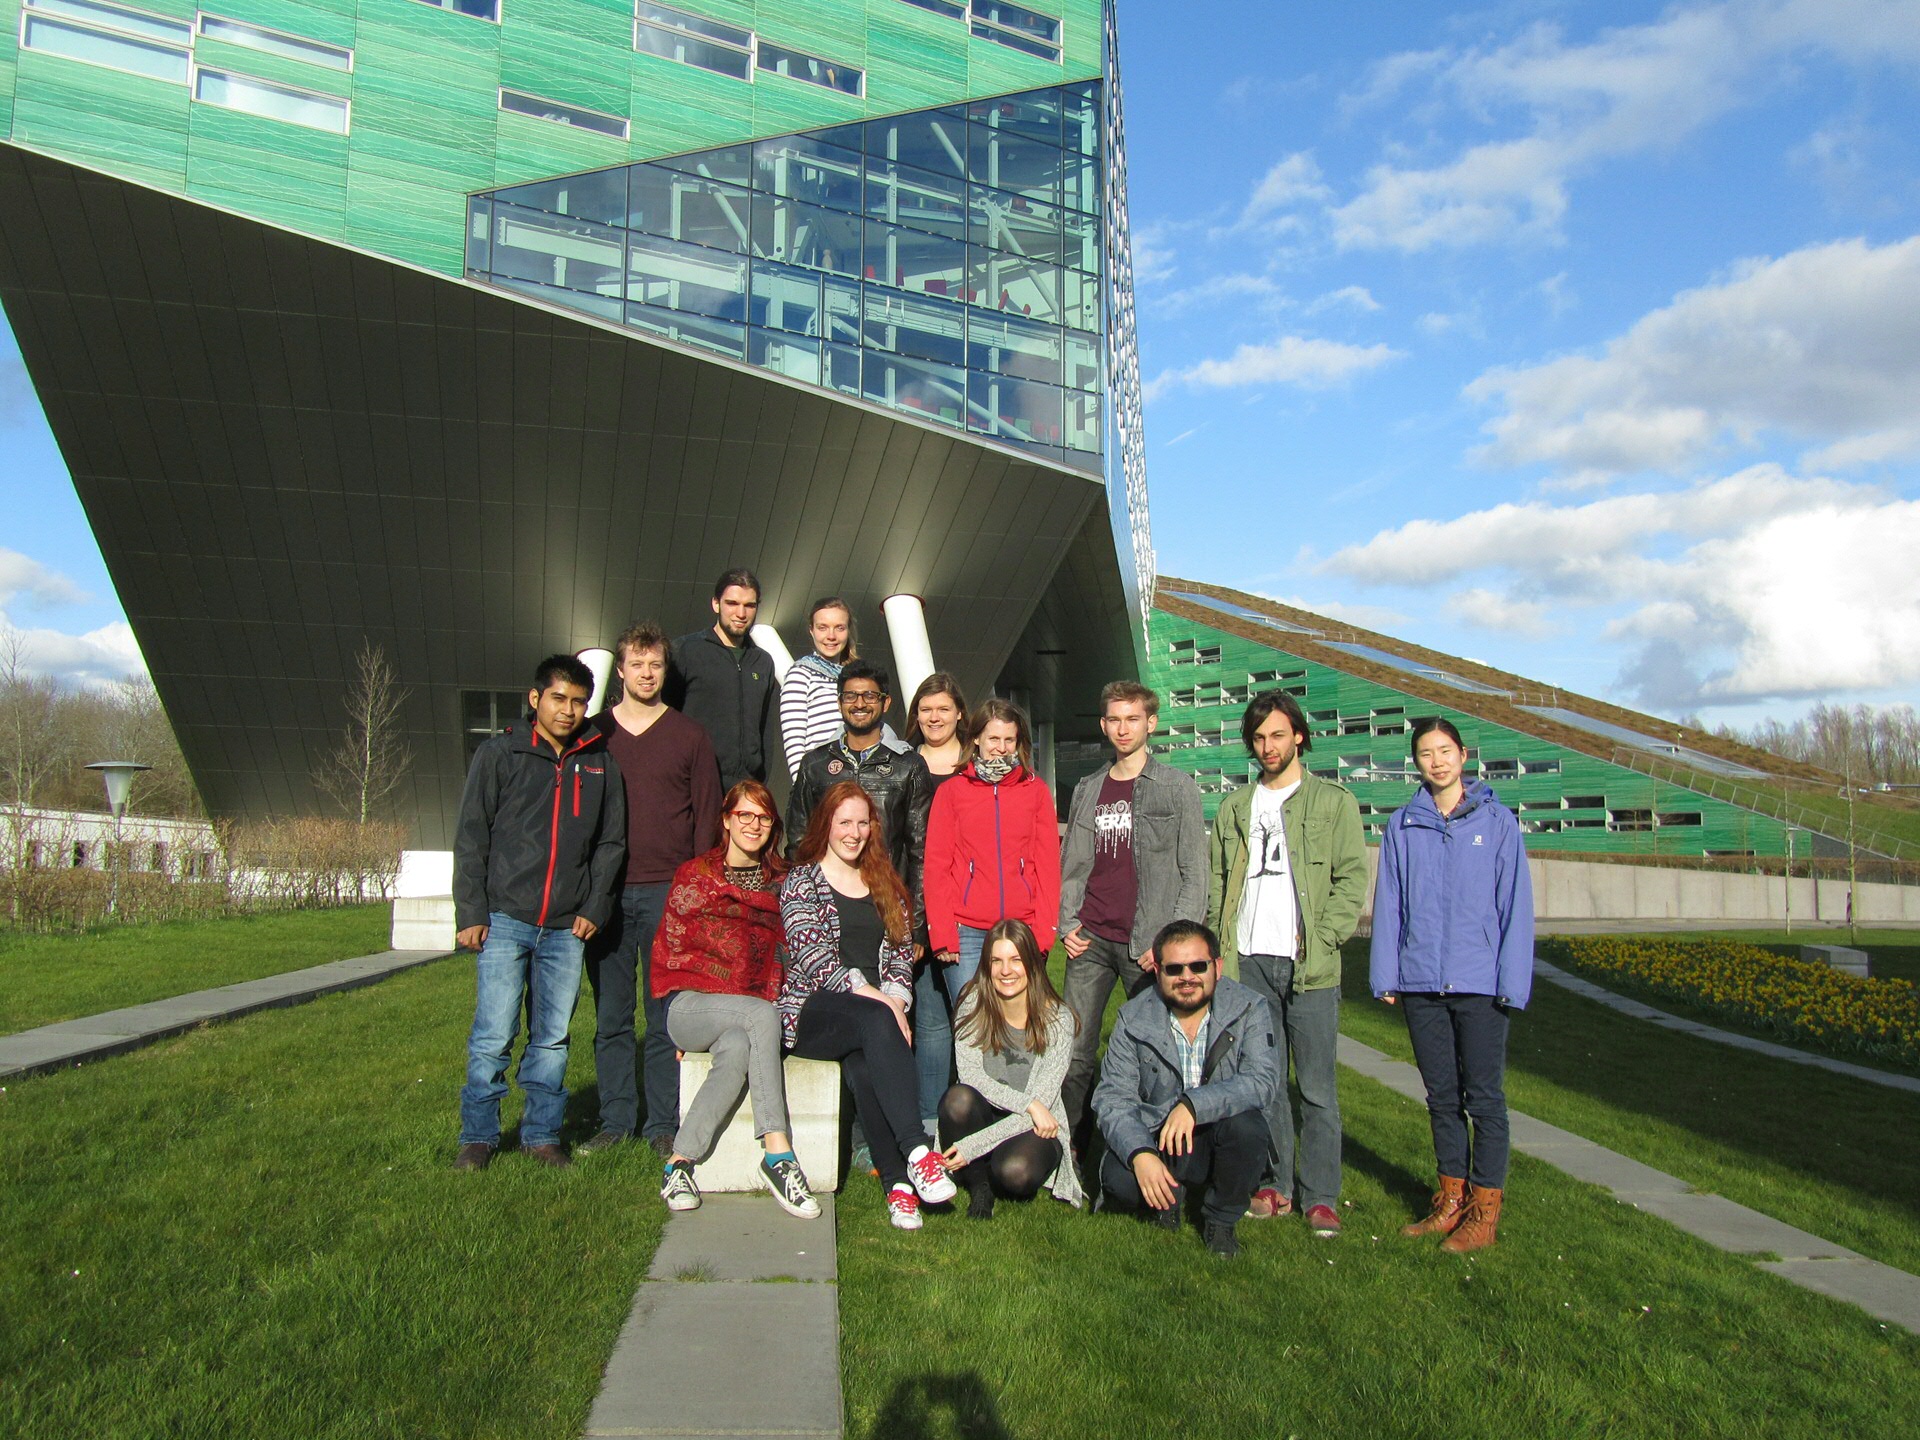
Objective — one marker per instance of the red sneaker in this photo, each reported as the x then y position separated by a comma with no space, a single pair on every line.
903,1208
1323,1221
1268,1203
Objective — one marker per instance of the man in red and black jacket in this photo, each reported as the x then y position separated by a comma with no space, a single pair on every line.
536,859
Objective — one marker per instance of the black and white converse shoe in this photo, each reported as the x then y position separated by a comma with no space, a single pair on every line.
789,1187
679,1191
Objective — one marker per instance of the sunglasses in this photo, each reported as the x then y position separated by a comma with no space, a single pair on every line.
1195,967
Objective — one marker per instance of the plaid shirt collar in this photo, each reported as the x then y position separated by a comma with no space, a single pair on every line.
1192,1055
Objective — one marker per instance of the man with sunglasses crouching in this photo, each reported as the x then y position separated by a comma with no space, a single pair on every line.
1182,1097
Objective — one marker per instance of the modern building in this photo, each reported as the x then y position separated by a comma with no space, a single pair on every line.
478,330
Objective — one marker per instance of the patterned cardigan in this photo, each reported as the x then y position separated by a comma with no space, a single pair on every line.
715,936
812,923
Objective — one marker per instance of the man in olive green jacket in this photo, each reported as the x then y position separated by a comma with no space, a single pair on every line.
1286,881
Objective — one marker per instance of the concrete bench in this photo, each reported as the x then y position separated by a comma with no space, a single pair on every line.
813,1109
1840,957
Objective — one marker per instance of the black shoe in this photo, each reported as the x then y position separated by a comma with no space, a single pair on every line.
605,1140
1223,1238
476,1156
662,1145
979,1185
1167,1219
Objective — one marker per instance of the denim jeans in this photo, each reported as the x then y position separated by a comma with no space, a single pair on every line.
519,958
1306,1027
620,965
973,944
1090,981
1226,1159
1460,1045
932,1038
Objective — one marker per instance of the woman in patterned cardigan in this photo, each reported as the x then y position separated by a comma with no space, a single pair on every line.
849,983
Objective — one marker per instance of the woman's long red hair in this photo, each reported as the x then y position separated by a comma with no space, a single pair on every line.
876,868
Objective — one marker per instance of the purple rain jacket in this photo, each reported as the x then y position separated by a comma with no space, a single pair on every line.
1453,909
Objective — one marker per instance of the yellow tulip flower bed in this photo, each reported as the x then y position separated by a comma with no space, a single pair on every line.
1802,1002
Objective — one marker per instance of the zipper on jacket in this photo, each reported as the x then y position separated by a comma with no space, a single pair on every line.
576,790
553,837
969,887
999,852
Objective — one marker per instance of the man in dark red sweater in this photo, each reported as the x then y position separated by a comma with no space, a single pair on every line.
673,814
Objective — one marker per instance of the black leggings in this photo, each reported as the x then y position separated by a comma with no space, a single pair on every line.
1018,1166
877,1064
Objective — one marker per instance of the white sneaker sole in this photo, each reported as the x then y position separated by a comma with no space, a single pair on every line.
903,1220
684,1202
809,1211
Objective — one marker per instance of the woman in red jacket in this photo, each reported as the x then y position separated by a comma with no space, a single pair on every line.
993,847
716,962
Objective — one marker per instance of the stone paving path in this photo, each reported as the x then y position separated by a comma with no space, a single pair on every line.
114,1032
1720,1037
734,1332
1881,1290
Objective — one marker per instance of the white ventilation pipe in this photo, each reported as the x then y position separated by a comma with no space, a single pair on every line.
768,639
599,660
912,649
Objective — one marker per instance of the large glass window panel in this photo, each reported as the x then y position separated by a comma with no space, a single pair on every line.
1017,27
599,195
1008,161
669,15
909,325
1014,409
607,307
731,163
273,42
952,9
786,298
918,198
1020,349
787,355
1083,361
721,336
803,168
1080,118
843,312
1080,300
517,102
809,235
98,47
842,366
1080,241
479,9
480,234
937,392
1013,223
687,207
688,278
690,39
119,17
1080,182
999,281
1032,116
914,260
558,251
812,69
271,102
933,140
1082,430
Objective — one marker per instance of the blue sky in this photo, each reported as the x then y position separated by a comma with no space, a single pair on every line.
1580,339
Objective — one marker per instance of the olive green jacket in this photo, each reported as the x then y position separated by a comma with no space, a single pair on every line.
1327,853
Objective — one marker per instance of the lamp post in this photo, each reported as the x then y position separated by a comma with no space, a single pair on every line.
118,775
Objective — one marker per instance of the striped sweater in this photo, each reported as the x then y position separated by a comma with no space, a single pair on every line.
809,708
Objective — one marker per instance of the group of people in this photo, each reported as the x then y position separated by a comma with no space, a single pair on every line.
898,919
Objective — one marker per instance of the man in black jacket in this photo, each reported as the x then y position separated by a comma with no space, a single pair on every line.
889,770
536,859
726,682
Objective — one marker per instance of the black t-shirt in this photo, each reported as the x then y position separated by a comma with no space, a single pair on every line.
861,932
1112,888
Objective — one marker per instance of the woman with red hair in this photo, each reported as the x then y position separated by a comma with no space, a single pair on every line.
849,983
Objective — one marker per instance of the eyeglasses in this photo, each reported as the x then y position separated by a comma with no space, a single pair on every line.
860,698
753,819
1196,967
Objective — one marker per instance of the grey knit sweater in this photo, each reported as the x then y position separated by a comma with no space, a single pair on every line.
1043,1084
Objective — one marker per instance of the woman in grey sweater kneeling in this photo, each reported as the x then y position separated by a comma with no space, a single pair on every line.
1013,1039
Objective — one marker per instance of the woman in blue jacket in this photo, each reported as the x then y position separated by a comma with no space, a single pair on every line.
1453,947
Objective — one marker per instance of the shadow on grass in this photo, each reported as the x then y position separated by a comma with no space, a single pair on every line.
1399,1183
921,1406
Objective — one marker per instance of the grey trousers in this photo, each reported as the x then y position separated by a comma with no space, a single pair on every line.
742,1034
1090,981
1307,1026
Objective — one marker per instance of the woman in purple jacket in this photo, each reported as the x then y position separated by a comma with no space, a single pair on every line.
1453,947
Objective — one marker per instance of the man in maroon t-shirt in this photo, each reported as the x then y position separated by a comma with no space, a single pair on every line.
673,814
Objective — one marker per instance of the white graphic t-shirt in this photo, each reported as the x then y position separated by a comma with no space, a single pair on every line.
1268,923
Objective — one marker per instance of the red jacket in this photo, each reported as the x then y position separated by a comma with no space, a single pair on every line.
716,937
993,853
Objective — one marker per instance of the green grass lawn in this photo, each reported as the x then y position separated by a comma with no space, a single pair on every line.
252,1231
1828,1153
48,978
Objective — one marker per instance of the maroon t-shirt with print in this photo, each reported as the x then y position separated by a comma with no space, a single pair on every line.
1112,891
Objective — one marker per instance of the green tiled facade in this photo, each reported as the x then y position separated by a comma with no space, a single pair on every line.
1566,800
426,127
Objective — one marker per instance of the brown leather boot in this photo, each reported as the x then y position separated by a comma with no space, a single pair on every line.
1478,1226
1449,1205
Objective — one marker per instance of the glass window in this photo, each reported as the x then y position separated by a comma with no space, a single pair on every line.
829,74
808,235
99,47
1017,27
933,140
785,355
598,195
479,234
1083,362
917,198
270,101
686,207
479,9
843,312
908,325
801,167
842,366
732,163
557,250
1080,182
1081,300
1002,345
1013,223
690,39
1080,241
1032,116
1013,409
952,9
293,47
607,307
936,392
1080,118
721,336
517,103
119,17
914,260
786,298
1006,282
687,278
1083,421
1008,161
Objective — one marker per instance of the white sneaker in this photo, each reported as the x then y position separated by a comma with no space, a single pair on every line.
903,1208
929,1176
789,1186
679,1191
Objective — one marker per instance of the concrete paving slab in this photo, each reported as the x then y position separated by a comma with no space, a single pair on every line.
1887,1294
1728,1225
1597,1165
748,1237
1396,1075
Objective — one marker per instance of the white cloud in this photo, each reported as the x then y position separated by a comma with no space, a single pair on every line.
1291,360
1358,296
1237,288
22,578
1491,610
1818,344
1153,256
98,657
1286,184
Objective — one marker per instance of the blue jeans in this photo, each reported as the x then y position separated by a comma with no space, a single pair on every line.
516,959
973,944
932,1039
620,967
1460,1045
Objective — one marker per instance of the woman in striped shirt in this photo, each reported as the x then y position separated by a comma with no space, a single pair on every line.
809,699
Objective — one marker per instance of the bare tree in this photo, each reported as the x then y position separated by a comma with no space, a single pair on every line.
367,766
33,741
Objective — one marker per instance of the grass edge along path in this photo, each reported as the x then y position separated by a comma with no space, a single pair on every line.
46,979
254,1228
